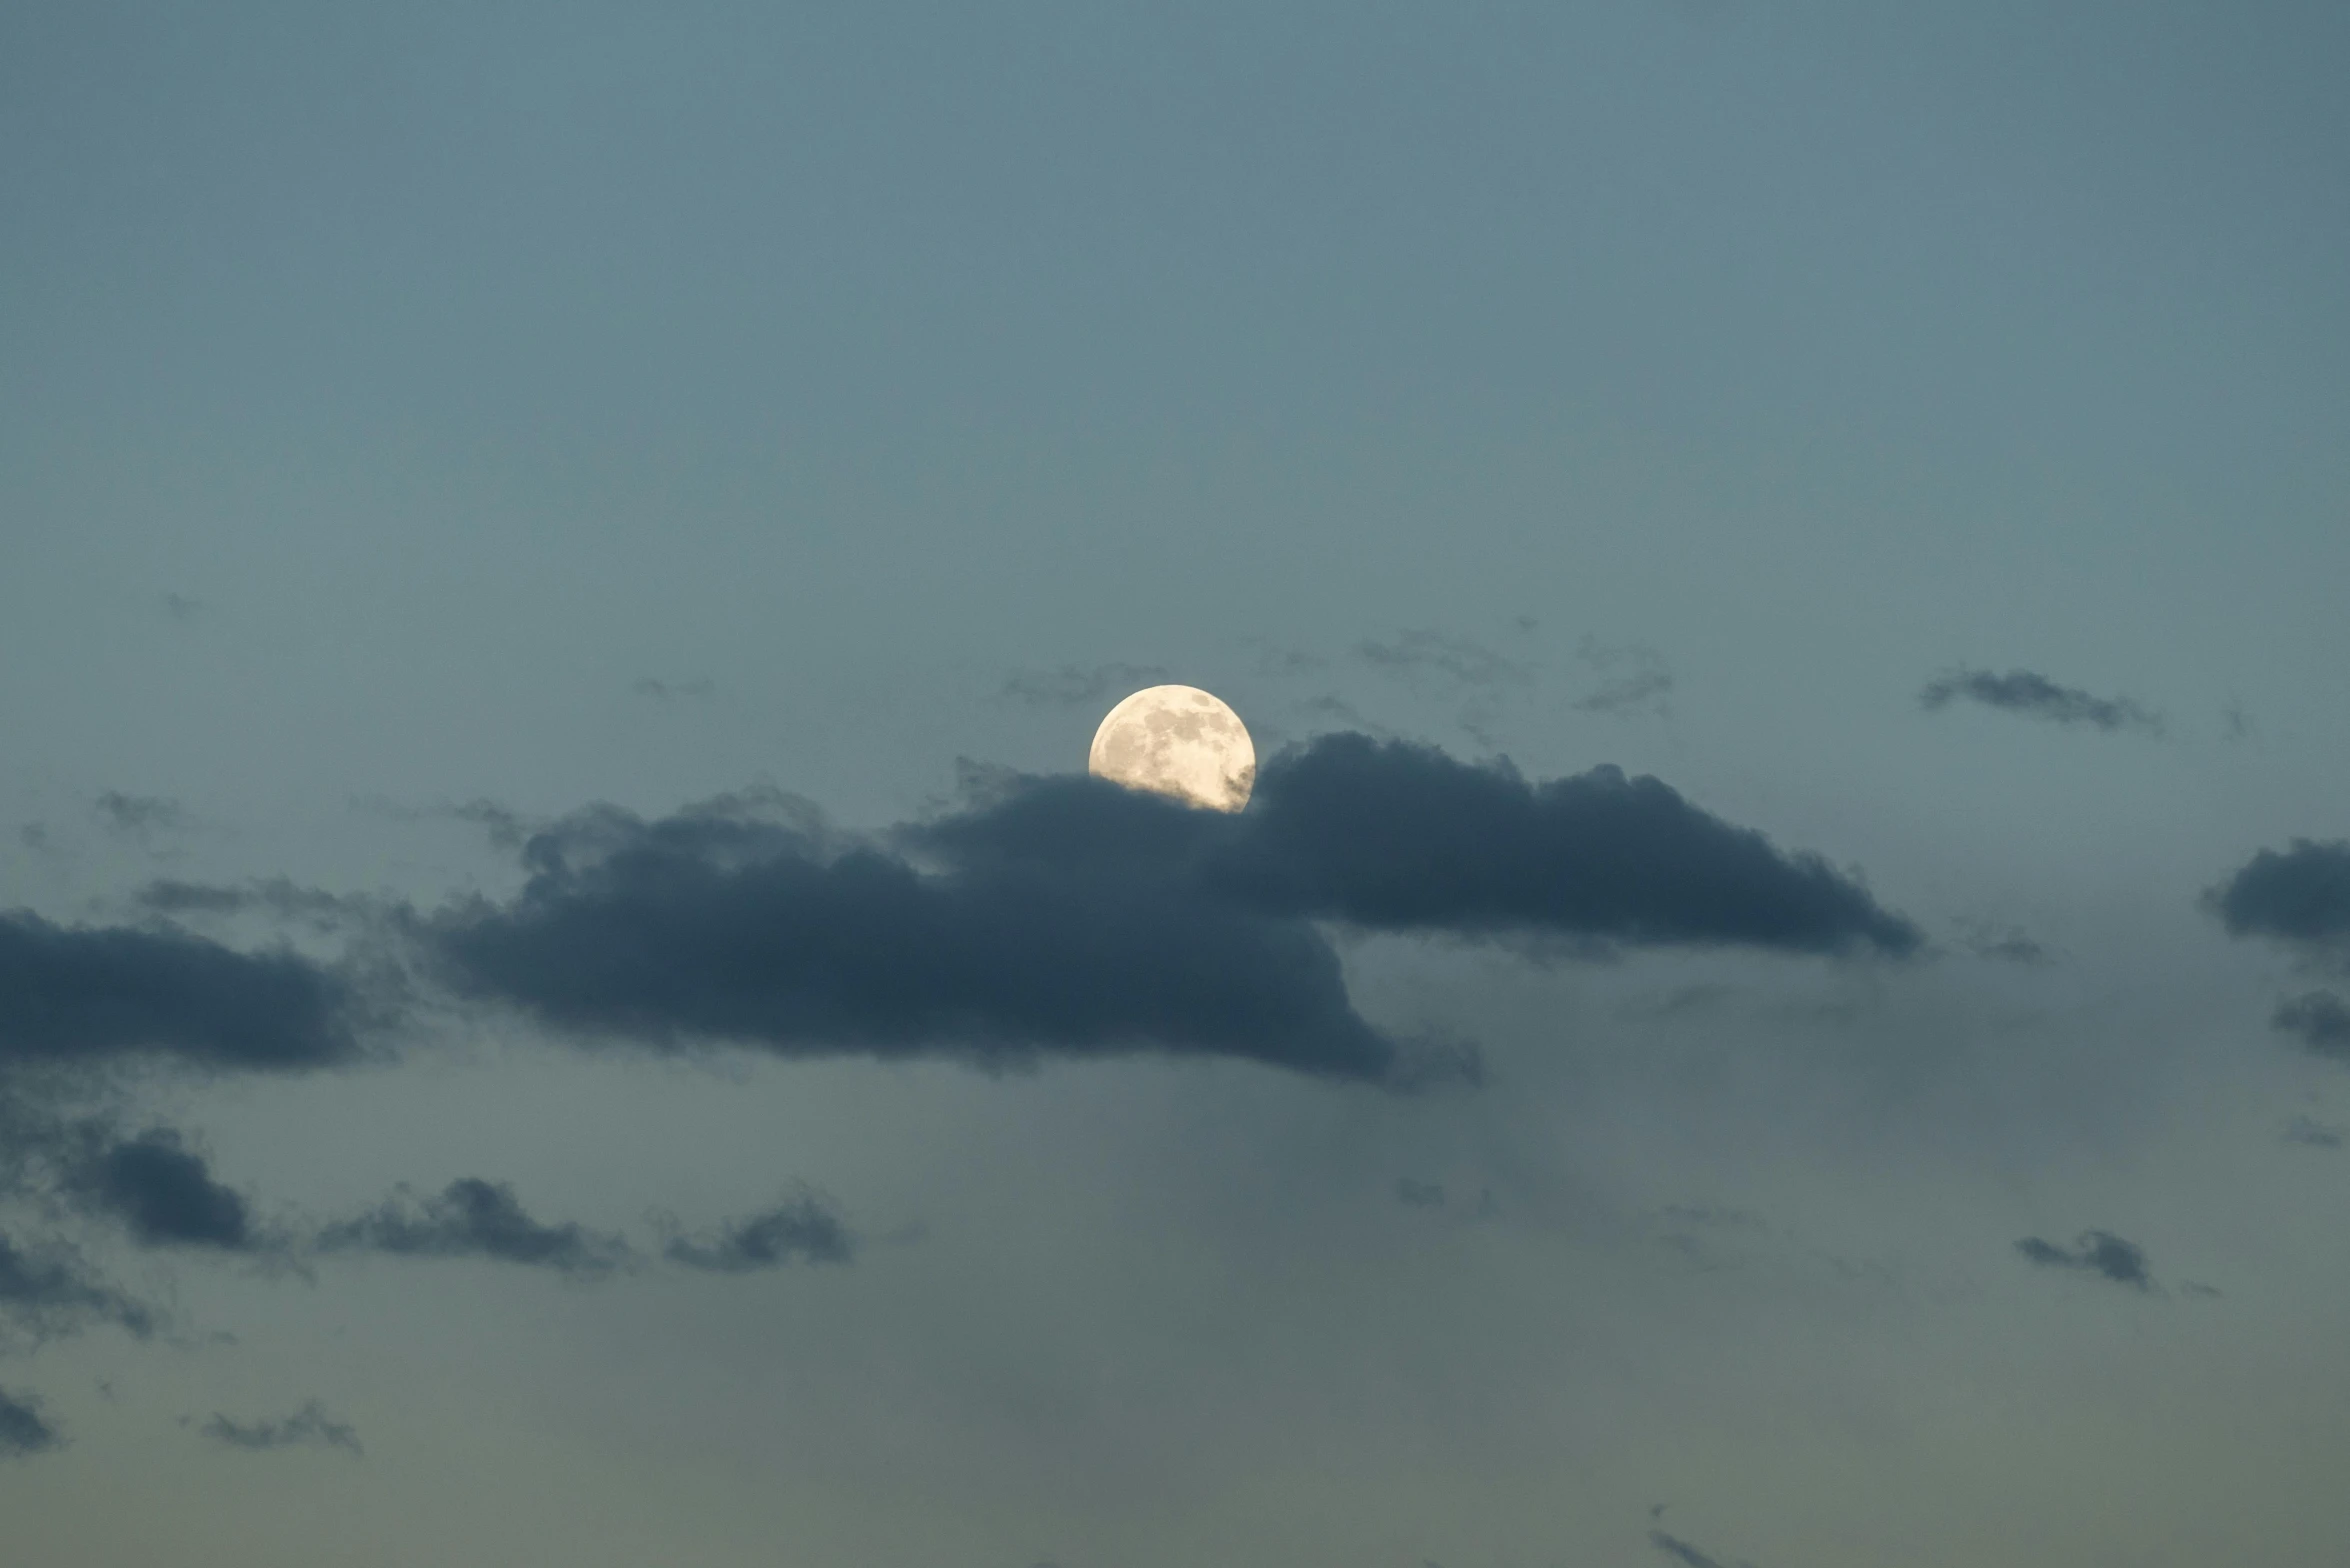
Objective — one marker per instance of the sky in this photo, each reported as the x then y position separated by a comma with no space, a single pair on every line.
1781,1000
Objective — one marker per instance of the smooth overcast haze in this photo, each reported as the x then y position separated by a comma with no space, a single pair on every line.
1783,998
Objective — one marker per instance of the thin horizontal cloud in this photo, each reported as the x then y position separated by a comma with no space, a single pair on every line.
2098,1252
803,1228
2036,696
473,1218
308,1427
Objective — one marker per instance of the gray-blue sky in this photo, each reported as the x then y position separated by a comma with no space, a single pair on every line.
555,405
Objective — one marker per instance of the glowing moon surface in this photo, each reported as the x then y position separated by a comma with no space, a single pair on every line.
1179,741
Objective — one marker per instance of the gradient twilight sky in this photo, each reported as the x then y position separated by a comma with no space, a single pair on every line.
1915,433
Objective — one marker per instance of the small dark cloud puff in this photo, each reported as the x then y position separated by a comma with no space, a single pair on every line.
308,1427
473,1218
164,1192
1413,1193
1069,916
803,1227
24,1428
73,994
2036,696
2320,1020
2098,1252
2300,894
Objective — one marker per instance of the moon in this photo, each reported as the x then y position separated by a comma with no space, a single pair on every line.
1179,741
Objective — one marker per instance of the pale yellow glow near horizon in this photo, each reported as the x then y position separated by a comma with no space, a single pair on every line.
1179,741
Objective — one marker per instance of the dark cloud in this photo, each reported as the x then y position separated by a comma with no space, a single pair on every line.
2319,1019
1455,659
2036,696
802,1227
1415,1194
50,1290
1066,915
1072,684
472,1218
308,1427
1059,922
2299,895
1398,836
2098,1252
165,1193
139,814
77,994
23,1428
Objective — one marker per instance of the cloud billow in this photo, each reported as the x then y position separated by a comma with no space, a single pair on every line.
2036,696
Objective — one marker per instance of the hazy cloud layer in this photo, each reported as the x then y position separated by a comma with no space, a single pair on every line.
308,1427
803,1227
2301,894
473,1218
2098,1252
73,994
23,1427
2036,696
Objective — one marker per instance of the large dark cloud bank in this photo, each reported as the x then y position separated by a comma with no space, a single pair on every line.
1068,915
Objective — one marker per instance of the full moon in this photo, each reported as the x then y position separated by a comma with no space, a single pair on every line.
1179,741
